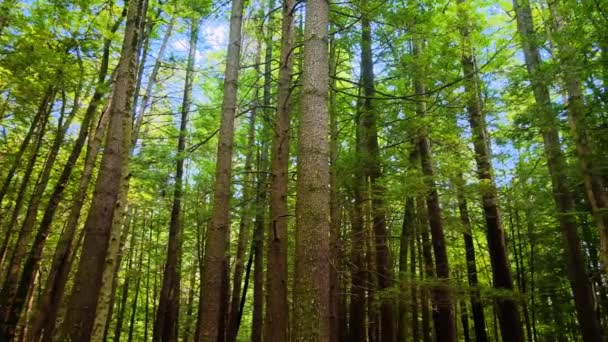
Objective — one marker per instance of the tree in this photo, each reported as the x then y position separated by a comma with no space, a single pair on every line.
113,172
311,278
215,256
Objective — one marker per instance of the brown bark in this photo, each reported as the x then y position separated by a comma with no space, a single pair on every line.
426,264
244,232
575,260
257,248
167,315
414,288
479,321
338,322
137,287
508,315
105,203
277,314
371,164
407,230
49,303
311,278
445,329
217,235
125,289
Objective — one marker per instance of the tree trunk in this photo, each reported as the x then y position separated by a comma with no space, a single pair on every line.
508,315
137,287
243,238
48,306
166,322
338,322
576,264
113,173
407,230
479,320
277,314
125,289
445,329
426,264
311,278
190,304
414,287
215,251
371,163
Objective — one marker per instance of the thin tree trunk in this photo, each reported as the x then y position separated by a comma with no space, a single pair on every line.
311,278
442,302
372,172
508,315
426,264
336,297
166,322
576,264
215,251
125,289
137,287
258,248
407,229
190,304
277,315
414,286
479,320
106,202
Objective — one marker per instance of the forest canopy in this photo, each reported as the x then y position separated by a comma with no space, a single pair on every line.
264,170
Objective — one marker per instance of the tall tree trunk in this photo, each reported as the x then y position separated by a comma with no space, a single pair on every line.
243,238
113,174
49,303
445,329
137,287
258,247
407,230
371,163
338,323
479,320
215,251
359,272
190,304
277,314
166,322
508,315
311,278
414,287
125,289
575,260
